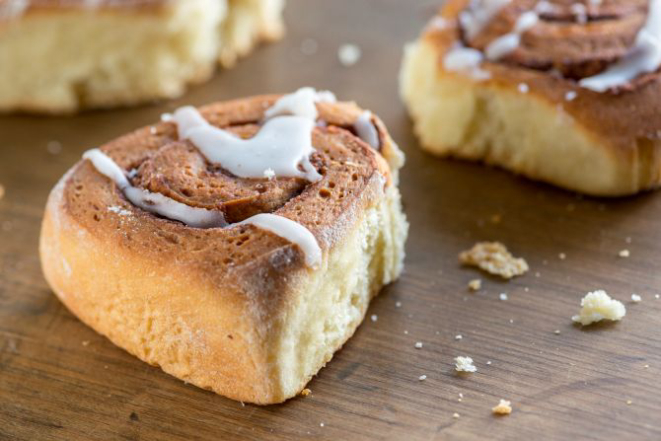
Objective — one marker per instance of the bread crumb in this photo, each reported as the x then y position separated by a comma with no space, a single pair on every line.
458,337
374,317
556,332
349,54
636,298
489,363
455,415
464,364
597,306
85,342
657,296
494,258
647,366
624,253
305,392
475,285
562,256
398,304
629,402
503,296
321,424
503,408
418,345
422,378
54,147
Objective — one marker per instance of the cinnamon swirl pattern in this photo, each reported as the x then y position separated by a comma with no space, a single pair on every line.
236,246
563,91
61,56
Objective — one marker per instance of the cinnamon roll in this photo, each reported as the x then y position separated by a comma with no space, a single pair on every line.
60,56
236,246
563,91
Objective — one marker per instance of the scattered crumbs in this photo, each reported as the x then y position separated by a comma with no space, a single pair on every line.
464,364
627,240
494,258
119,210
2,191
629,402
562,256
166,117
349,54
321,424
458,337
503,408
305,392
475,285
556,332
85,342
511,321
636,298
570,96
309,46
54,147
624,253
269,173
647,366
422,378
523,88
398,304
374,317
502,296
406,332
152,130
597,306
489,362
456,415
418,345
657,296
461,395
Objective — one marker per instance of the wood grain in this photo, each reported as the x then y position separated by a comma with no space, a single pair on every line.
61,381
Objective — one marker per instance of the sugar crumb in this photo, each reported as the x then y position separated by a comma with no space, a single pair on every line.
422,378
464,364
494,258
456,415
305,392
556,332
349,54
398,304
458,337
503,296
374,317
562,256
636,298
418,345
624,253
597,306
475,285
503,408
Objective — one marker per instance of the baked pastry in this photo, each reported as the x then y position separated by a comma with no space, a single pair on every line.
237,259
563,91
59,56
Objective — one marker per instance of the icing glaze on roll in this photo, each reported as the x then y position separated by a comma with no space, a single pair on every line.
154,202
366,131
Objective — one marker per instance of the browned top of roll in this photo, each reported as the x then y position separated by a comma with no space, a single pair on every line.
563,48
354,176
13,9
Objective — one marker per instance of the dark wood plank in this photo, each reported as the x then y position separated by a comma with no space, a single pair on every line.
569,386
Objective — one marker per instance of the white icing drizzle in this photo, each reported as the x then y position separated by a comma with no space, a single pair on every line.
478,14
508,43
282,144
643,57
466,60
13,9
300,103
153,202
366,130
290,230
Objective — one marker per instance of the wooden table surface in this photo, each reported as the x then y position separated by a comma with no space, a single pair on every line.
61,381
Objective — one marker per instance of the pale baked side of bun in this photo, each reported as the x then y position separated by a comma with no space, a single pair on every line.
62,57
234,310
532,120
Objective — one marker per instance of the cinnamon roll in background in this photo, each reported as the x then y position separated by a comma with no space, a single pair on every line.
564,91
237,247
59,56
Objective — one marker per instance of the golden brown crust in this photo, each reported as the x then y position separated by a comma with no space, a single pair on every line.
207,305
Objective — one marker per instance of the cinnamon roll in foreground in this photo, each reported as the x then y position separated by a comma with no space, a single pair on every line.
59,56
564,91
237,247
